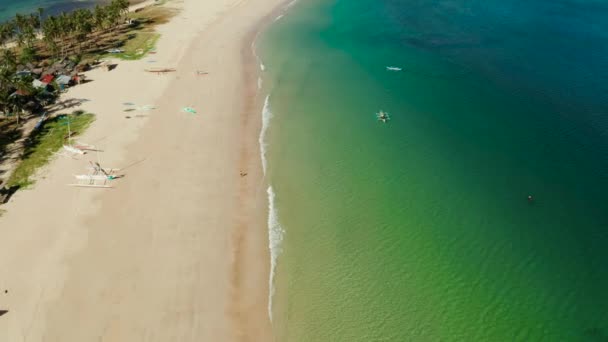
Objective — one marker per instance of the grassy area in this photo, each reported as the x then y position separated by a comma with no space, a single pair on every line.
141,39
44,143
137,46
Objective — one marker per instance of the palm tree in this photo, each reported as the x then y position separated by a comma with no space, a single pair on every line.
4,101
8,61
122,6
35,22
99,17
40,11
6,32
18,102
64,29
50,33
115,12
82,21
8,64
20,22
9,101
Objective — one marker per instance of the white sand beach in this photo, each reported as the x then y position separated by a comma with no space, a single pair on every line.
177,250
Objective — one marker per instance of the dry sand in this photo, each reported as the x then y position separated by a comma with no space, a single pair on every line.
177,250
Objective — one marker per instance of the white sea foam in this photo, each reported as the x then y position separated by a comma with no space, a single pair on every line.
254,51
275,231
275,239
253,45
291,3
266,116
278,18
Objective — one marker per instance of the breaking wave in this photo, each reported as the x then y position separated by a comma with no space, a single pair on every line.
266,116
275,231
275,239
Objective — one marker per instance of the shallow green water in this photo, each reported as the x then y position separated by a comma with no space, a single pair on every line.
420,229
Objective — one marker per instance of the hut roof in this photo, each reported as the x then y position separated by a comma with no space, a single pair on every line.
47,79
21,92
63,79
38,84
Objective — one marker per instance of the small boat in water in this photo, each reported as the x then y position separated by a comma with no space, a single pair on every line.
393,68
383,116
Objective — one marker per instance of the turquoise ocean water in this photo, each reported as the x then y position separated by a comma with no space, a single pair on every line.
420,229
8,8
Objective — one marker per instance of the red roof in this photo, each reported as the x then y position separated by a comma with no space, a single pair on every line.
20,92
47,79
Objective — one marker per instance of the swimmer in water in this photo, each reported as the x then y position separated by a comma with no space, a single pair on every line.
530,198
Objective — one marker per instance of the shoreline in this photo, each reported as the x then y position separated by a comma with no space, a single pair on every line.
255,69
113,257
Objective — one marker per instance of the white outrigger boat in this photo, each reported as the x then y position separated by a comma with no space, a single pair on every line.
98,178
383,116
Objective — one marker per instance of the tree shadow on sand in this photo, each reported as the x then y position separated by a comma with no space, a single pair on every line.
9,133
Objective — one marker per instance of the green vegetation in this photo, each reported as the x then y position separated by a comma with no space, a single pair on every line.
44,143
141,38
138,45
29,43
32,46
83,29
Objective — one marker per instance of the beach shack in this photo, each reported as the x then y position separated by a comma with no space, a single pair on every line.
47,79
21,92
23,73
44,82
63,81
38,84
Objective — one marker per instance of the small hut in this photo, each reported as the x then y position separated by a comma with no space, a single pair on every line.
63,81
48,78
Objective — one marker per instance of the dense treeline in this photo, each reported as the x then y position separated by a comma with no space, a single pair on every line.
26,38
